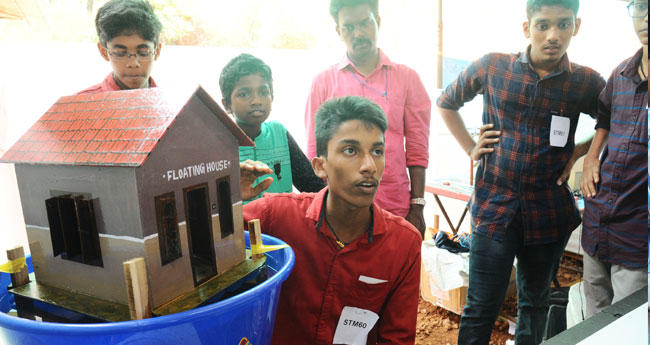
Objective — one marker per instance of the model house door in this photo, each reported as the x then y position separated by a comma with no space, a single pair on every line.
199,233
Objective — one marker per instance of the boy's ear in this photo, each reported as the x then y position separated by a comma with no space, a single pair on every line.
338,32
578,22
318,164
157,51
102,51
526,28
226,106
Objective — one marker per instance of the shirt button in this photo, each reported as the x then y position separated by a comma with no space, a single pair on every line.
610,201
624,147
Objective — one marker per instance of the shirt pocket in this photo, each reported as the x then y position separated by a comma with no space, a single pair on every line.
370,295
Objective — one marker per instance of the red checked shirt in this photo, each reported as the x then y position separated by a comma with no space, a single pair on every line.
616,219
326,279
108,84
523,169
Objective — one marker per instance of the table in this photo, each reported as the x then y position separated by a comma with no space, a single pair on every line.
455,188
459,189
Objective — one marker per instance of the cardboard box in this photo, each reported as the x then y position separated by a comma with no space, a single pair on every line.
454,300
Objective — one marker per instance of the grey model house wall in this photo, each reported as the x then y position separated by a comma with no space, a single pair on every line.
198,143
114,192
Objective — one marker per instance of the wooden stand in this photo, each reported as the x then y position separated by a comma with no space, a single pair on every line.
137,288
436,227
255,235
22,277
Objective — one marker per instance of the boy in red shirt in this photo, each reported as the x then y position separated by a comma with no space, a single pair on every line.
357,273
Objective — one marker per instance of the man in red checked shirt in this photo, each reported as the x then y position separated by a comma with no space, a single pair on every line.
522,206
357,274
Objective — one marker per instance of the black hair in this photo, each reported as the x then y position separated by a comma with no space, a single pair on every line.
334,112
533,6
239,67
124,17
337,5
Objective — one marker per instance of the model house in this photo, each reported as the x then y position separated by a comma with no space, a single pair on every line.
152,173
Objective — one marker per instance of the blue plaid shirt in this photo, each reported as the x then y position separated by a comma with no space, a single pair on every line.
522,170
616,219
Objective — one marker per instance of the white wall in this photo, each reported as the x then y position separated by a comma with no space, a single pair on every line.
34,74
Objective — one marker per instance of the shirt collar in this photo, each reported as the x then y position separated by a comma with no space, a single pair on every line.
316,212
631,68
563,66
383,61
110,81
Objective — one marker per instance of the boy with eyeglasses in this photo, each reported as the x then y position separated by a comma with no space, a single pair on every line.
522,206
615,221
129,38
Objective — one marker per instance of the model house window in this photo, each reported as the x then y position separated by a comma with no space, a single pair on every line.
225,207
168,237
73,229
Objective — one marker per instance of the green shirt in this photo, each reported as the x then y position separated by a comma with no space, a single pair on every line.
271,147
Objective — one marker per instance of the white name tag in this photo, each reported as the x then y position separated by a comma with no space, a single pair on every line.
560,126
354,326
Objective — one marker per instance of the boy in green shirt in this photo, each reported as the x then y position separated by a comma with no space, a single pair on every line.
246,86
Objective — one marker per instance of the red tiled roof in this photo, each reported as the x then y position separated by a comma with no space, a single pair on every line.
118,128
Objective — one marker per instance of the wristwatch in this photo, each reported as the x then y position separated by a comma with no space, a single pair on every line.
418,201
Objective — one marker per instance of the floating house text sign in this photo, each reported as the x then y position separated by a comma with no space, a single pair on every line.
196,170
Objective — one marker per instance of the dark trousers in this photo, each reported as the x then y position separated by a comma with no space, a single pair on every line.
490,264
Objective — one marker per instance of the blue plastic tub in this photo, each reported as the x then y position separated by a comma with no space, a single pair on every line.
246,318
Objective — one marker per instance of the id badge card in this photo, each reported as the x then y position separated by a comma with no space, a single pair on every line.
354,326
560,126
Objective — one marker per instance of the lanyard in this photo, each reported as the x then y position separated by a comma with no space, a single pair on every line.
383,94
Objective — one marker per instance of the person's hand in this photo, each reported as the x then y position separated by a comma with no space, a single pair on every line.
590,176
416,218
567,169
486,138
249,172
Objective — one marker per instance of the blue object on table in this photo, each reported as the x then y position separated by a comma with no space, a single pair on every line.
443,241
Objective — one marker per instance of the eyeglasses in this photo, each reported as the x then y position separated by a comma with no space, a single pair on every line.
637,9
143,56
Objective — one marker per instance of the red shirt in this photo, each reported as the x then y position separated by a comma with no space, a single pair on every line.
108,84
326,279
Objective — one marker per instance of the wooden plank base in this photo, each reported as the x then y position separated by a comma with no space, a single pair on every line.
104,310
211,288
92,306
